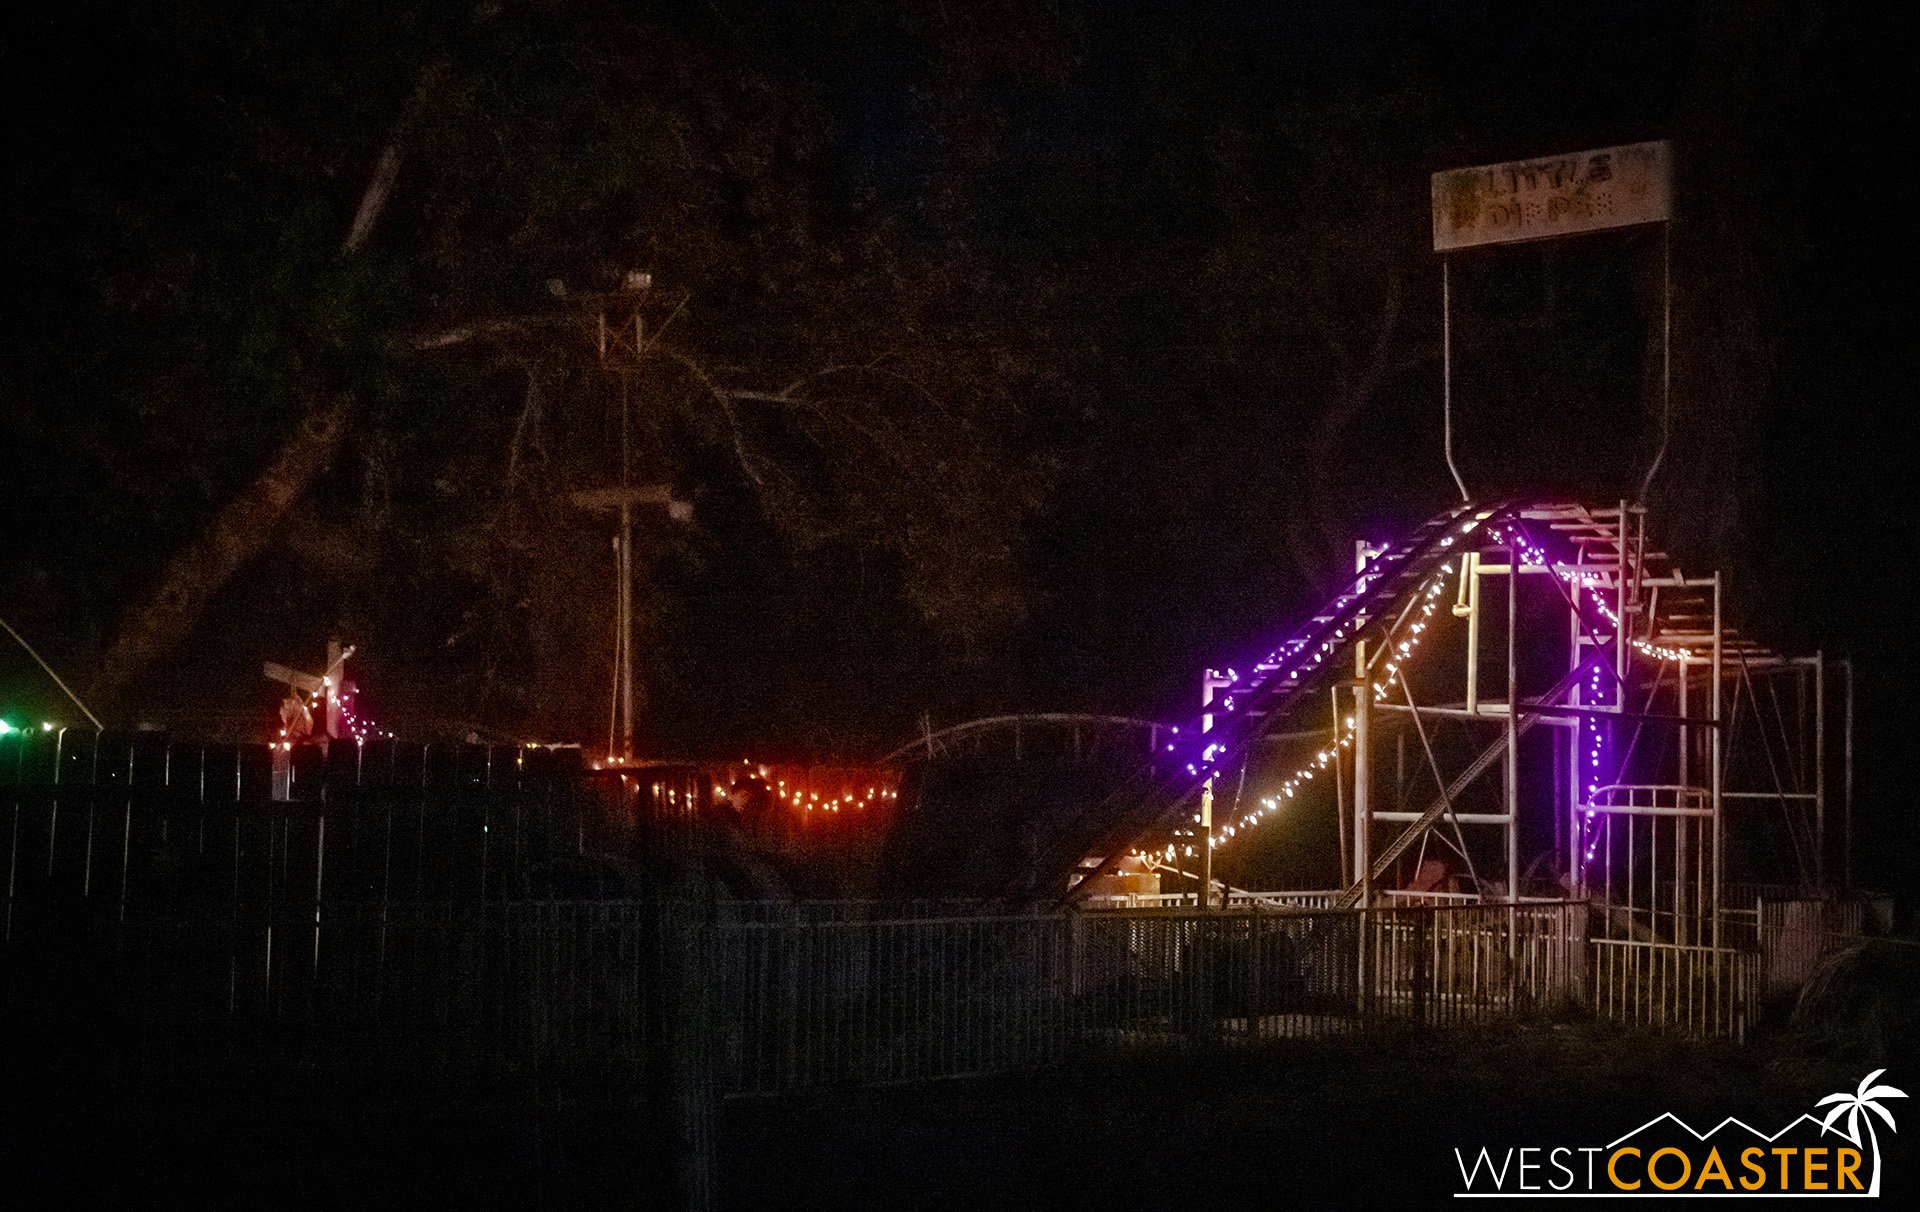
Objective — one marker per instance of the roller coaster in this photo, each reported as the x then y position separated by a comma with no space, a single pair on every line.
1584,722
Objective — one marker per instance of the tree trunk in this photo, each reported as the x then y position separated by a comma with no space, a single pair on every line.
245,525
241,528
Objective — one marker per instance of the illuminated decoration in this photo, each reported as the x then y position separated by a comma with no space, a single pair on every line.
1306,654
1593,732
352,723
759,794
1579,581
1395,654
1401,646
810,789
803,794
1596,736
1593,729
331,694
355,723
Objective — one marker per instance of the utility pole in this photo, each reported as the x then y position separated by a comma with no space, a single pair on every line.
612,329
621,501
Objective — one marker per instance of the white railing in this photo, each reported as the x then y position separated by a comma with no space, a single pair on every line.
1694,991
1651,799
829,1002
1191,900
1238,899
1467,963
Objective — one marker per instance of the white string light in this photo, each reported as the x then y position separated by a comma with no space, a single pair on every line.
1591,584
1399,652
1402,650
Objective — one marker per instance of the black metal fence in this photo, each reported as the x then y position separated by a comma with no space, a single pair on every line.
425,909
1257,975
788,1000
822,1002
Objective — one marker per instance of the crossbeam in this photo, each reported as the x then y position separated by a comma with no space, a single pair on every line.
1438,808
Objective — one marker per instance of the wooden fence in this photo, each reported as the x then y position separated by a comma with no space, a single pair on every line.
132,822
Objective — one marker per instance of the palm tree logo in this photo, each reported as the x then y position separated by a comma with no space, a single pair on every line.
1851,1105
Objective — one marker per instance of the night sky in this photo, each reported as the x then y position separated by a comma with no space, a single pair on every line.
1141,294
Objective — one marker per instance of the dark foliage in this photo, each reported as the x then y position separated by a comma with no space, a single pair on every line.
1014,355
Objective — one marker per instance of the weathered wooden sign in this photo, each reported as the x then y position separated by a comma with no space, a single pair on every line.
1554,196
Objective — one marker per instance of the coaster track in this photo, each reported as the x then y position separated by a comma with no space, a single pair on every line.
1295,672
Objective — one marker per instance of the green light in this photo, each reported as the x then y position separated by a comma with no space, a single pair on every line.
6,728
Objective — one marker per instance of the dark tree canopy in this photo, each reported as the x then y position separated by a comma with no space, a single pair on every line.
1014,355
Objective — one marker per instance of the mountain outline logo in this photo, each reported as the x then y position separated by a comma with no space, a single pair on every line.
1835,1153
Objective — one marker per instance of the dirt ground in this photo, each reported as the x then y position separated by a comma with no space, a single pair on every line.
1357,1123
1353,1123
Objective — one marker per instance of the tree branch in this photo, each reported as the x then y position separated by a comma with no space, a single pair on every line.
386,170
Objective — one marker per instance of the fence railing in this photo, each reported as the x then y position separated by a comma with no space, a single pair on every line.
784,1000
1176,977
886,1001
1455,964
1698,991
1234,900
141,822
1239,899
1795,935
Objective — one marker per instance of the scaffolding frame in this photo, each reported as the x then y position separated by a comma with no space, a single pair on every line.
1673,732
